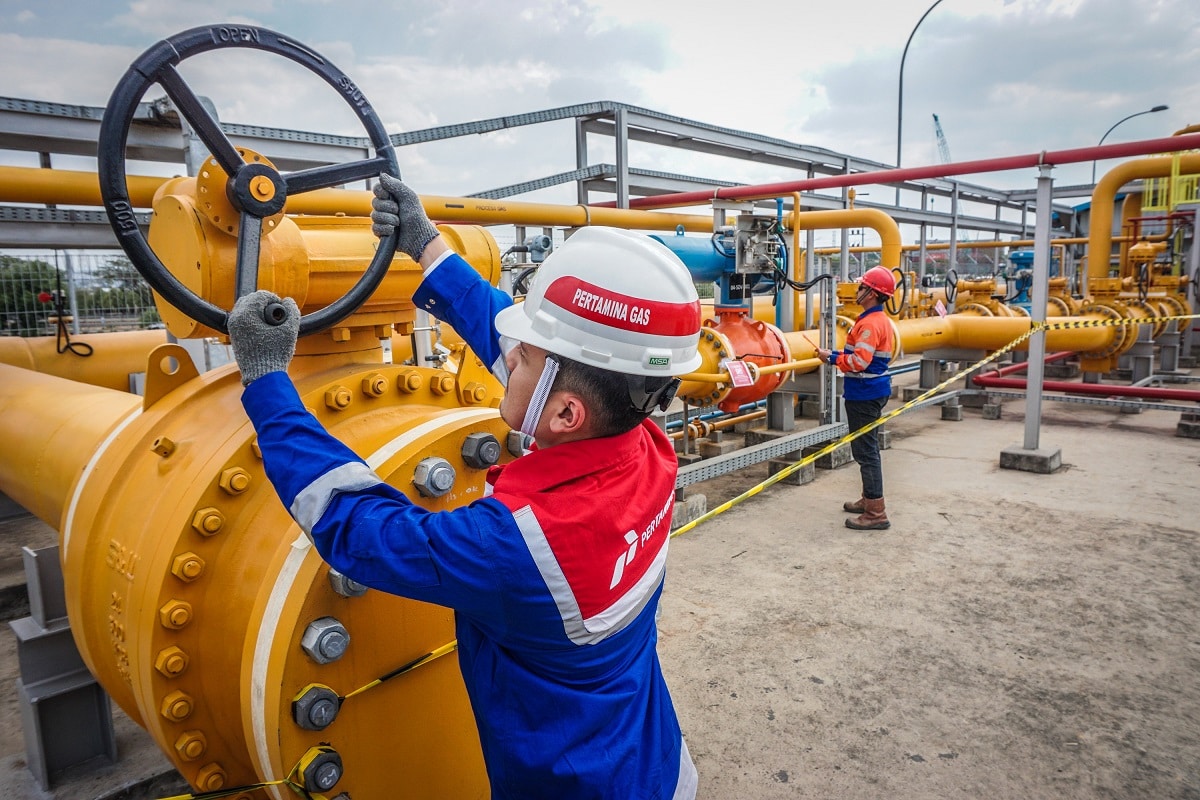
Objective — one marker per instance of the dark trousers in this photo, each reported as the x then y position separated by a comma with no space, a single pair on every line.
866,447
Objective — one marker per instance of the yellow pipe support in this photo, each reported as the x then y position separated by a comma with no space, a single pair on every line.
113,358
1104,197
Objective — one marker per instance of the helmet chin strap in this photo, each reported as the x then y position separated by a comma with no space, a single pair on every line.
541,393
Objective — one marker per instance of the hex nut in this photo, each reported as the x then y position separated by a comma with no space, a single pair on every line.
187,567
208,521
481,450
210,778
171,662
235,480
475,392
325,640
338,398
175,614
163,446
409,381
177,706
322,772
191,745
316,708
346,587
443,384
434,476
375,385
516,443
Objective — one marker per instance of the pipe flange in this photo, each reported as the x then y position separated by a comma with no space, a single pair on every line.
1064,308
1120,332
976,309
212,199
1149,311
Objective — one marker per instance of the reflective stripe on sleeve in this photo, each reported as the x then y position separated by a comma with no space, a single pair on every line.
311,502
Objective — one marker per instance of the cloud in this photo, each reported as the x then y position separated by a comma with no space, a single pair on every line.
1040,75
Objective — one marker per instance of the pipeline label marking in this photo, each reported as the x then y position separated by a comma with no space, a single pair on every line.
829,448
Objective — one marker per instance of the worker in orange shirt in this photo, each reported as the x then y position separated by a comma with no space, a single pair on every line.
866,390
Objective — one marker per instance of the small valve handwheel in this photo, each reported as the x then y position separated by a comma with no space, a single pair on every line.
257,191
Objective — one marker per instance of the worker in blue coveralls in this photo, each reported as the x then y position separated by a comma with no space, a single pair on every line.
555,575
866,390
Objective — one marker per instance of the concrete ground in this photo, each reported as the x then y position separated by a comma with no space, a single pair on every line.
1013,635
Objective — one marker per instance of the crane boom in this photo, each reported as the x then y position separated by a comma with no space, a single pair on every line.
943,147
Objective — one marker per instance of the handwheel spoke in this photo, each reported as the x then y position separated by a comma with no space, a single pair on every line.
202,122
334,175
249,240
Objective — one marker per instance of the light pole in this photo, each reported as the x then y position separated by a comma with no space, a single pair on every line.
900,92
1154,110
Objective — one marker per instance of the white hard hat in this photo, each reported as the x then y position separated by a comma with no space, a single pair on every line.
612,299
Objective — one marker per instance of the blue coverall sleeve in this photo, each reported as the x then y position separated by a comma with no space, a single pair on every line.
363,527
457,294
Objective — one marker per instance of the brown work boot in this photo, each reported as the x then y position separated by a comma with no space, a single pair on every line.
855,506
873,517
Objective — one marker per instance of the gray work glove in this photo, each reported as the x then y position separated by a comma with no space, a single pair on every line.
397,208
258,345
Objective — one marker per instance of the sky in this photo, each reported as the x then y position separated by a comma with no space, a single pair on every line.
1005,77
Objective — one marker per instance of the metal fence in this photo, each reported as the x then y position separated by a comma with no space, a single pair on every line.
89,291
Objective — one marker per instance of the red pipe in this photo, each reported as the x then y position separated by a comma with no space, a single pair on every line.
1147,392
1169,144
1011,368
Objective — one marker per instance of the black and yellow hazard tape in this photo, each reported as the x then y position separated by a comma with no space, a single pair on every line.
409,667
829,448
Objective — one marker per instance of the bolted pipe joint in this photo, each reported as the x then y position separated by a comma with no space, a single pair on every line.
316,708
481,450
346,587
325,640
434,477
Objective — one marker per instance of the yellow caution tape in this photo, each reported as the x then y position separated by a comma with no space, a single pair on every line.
829,448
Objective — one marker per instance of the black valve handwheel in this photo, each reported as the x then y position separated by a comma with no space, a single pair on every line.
246,189
951,284
897,307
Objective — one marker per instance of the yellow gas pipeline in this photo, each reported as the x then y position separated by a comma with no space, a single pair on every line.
113,356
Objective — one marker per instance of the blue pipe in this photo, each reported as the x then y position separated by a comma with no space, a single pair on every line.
676,424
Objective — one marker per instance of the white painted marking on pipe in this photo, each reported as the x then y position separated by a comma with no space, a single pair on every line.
381,456
301,549
87,472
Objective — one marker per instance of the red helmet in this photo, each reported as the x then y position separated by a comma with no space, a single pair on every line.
880,280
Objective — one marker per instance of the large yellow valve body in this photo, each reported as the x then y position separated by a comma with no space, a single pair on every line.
190,588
